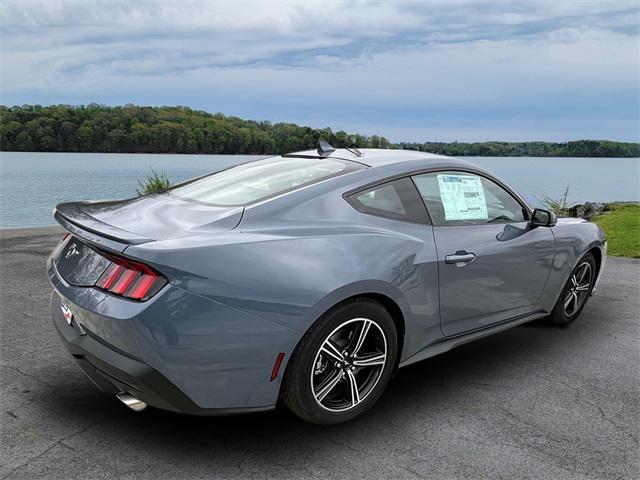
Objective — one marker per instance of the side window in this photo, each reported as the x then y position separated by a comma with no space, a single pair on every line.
384,198
461,198
397,199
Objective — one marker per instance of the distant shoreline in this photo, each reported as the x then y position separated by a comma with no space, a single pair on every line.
130,129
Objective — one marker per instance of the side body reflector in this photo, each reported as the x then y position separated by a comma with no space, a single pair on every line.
276,366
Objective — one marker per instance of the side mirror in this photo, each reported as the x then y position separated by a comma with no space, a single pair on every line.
543,218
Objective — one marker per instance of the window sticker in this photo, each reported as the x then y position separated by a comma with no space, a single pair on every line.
462,197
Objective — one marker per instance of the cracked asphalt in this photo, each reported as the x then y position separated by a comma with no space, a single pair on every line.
533,402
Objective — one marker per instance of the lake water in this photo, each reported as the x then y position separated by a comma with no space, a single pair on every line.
31,184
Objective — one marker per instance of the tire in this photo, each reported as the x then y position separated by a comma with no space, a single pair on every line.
319,380
576,292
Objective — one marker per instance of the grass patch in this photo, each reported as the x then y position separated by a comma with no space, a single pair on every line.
155,183
622,227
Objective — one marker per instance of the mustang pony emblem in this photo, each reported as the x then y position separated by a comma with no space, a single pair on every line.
73,250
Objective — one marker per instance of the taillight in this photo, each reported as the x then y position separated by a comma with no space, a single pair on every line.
130,279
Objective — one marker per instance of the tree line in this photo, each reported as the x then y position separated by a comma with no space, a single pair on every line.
577,148
137,129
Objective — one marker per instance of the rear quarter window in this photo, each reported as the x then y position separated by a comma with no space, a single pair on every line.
396,199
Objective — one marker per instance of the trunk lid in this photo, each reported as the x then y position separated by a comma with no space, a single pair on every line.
116,224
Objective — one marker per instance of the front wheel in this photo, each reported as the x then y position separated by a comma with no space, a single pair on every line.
575,292
342,364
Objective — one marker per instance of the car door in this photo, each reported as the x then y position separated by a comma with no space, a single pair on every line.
492,265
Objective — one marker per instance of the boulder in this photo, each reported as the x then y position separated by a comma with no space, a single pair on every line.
588,209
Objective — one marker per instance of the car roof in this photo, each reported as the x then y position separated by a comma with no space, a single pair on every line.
375,157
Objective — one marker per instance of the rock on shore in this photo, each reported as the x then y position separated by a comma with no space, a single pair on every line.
588,209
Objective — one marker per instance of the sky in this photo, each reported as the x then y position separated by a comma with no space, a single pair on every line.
431,70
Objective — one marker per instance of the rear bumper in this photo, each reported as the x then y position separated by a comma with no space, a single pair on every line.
113,371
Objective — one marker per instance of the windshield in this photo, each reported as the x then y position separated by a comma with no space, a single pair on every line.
261,179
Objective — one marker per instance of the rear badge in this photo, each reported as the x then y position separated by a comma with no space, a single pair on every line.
66,313
72,251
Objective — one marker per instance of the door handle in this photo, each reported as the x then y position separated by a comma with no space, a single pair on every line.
460,258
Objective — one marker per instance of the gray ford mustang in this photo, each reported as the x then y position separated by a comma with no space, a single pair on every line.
308,277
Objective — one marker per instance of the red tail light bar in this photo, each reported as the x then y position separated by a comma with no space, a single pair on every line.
130,279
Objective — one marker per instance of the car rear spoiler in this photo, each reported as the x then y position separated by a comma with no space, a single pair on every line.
79,223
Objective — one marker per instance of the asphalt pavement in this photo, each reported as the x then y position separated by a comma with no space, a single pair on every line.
536,401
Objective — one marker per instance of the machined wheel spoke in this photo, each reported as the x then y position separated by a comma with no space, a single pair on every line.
568,300
583,288
366,324
370,360
328,386
331,351
574,280
580,276
353,387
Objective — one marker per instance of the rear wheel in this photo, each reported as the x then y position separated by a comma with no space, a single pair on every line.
575,292
342,364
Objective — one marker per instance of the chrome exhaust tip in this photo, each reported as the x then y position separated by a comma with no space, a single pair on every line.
132,402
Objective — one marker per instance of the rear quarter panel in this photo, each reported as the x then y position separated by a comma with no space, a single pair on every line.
292,266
